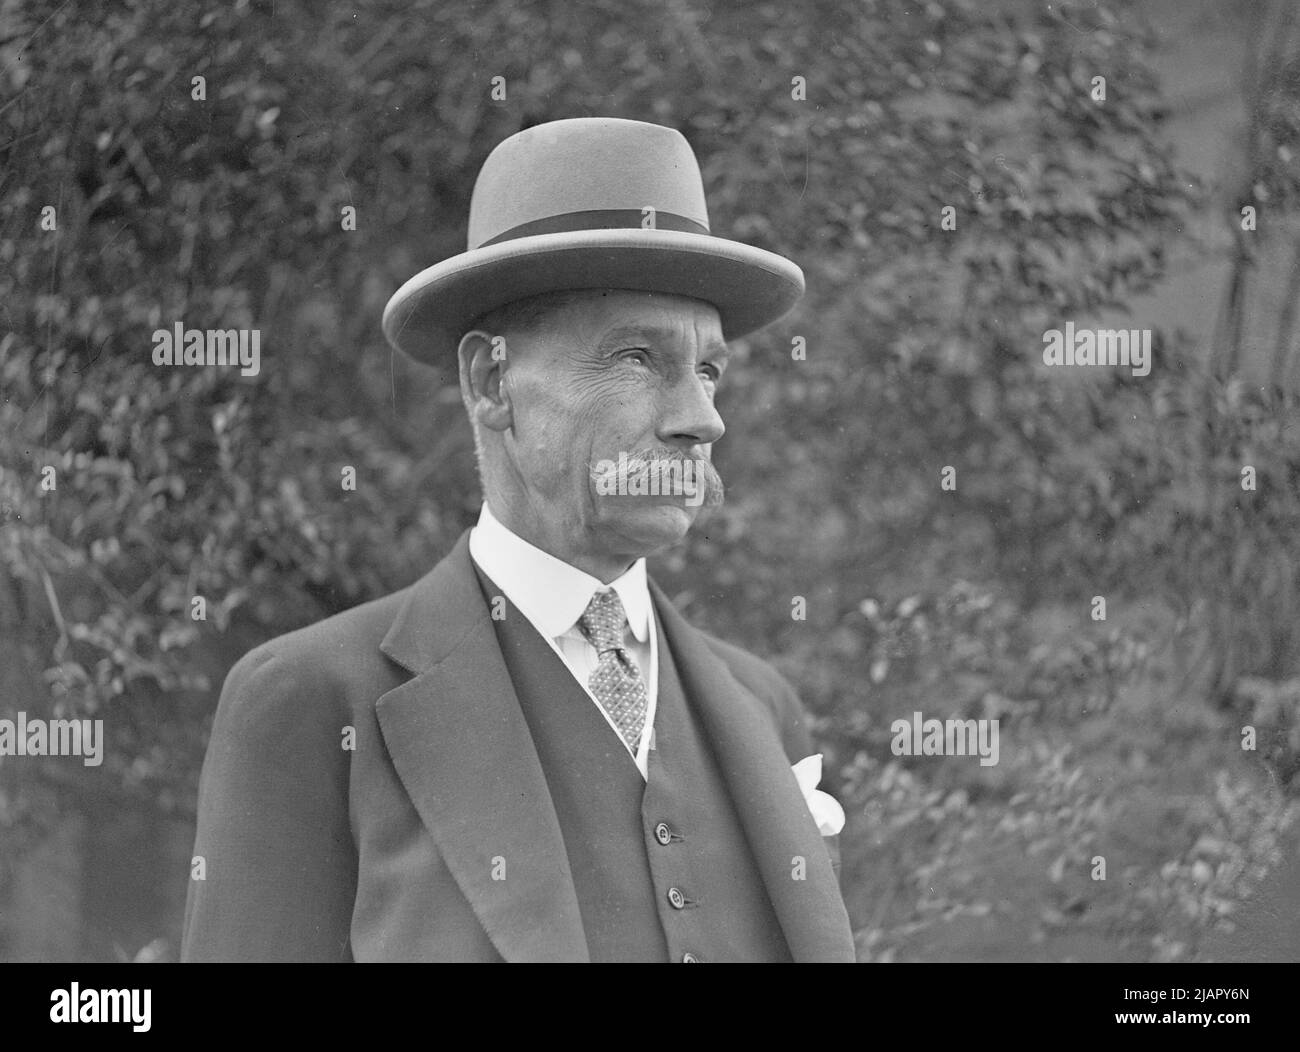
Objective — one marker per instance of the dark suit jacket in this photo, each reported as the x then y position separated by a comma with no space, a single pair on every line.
366,773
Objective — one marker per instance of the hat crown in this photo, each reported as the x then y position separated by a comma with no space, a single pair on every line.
586,173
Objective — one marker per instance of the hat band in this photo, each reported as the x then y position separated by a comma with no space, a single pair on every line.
600,219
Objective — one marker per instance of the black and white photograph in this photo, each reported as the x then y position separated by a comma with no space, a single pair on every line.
621,482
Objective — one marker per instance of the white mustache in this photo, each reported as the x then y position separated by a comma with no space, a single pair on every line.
662,472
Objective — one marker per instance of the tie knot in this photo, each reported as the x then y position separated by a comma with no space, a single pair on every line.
604,622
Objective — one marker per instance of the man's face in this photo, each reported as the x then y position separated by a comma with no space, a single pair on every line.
610,373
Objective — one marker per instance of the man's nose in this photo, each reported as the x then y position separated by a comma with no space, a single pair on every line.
689,415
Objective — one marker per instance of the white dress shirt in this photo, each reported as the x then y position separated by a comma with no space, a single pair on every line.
552,595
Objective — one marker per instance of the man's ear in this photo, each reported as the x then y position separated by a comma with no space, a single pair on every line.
482,359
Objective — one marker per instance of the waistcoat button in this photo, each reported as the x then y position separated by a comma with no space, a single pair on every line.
676,899
662,833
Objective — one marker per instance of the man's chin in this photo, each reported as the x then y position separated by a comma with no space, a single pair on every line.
651,523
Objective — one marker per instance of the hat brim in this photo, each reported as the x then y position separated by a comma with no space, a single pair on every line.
750,287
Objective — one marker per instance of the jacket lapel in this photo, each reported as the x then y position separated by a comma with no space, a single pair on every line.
459,743
767,796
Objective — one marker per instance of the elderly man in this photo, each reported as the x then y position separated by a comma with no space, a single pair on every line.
529,755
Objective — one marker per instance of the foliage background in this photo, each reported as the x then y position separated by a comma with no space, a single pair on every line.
1119,738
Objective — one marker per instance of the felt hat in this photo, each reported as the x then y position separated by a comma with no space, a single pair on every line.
592,202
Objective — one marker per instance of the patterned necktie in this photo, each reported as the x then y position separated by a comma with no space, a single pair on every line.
617,682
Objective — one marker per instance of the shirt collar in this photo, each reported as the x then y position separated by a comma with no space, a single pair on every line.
548,591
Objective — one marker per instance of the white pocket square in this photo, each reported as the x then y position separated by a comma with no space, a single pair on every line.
825,809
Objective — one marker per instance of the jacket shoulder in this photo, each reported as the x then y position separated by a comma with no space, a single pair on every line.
762,680
329,657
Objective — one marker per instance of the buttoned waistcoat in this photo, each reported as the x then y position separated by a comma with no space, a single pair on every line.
661,866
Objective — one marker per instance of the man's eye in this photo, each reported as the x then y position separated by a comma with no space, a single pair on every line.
640,357
711,372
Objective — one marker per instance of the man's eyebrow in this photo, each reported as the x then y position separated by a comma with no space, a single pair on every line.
712,348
